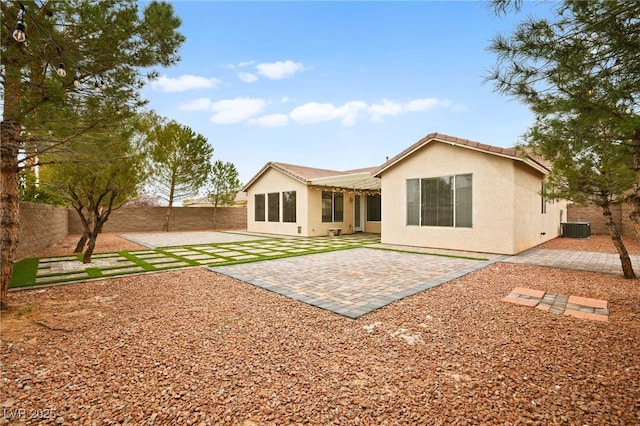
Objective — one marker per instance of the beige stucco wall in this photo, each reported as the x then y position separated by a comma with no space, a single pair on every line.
505,216
373,227
275,181
317,227
308,207
531,226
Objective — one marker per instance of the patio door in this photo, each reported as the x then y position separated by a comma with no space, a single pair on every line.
358,214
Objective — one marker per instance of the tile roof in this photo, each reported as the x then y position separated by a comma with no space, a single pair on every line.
305,174
514,153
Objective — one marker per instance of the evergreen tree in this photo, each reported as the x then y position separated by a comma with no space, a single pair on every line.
224,186
580,75
67,56
180,162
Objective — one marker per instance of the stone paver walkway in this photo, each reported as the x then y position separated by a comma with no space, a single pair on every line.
608,263
352,282
575,306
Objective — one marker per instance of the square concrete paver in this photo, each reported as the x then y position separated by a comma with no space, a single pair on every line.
351,282
168,239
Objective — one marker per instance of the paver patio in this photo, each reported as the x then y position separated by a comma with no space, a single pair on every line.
352,282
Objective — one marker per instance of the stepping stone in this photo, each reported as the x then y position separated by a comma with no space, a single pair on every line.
159,260
199,257
528,292
61,278
245,257
122,271
585,301
149,255
170,265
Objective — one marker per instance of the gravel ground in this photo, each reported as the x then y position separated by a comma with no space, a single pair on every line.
194,347
601,243
105,243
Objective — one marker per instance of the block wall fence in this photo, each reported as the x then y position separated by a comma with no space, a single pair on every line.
151,219
42,225
593,215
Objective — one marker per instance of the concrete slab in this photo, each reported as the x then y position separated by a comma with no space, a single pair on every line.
168,239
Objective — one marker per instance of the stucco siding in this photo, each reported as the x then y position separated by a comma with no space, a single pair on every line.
275,181
532,226
494,196
373,227
316,225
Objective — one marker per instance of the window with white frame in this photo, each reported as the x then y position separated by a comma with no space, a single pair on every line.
440,201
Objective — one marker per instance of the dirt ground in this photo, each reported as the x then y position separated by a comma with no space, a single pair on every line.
194,347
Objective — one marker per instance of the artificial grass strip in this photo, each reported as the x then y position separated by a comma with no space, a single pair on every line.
24,272
94,272
141,263
178,258
262,258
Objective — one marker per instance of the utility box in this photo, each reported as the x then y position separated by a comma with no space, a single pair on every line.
576,229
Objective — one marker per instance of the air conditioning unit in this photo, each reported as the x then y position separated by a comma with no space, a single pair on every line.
576,229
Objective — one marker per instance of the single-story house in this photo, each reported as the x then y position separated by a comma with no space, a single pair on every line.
441,192
295,200
451,193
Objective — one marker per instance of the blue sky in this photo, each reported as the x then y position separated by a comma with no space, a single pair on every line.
336,85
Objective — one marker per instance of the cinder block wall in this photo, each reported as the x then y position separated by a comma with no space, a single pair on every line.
41,226
593,214
151,219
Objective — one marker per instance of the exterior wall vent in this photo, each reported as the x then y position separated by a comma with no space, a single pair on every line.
576,229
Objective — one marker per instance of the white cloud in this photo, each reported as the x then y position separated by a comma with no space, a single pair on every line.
247,77
229,111
239,65
201,104
387,107
314,112
392,108
272,120
280,69
184,83
426,104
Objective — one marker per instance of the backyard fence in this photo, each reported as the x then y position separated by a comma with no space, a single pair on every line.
42,225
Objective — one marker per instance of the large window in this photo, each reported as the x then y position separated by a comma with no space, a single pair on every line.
374,208
413,202
289,206
274,206
332,206
440,201
259,208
